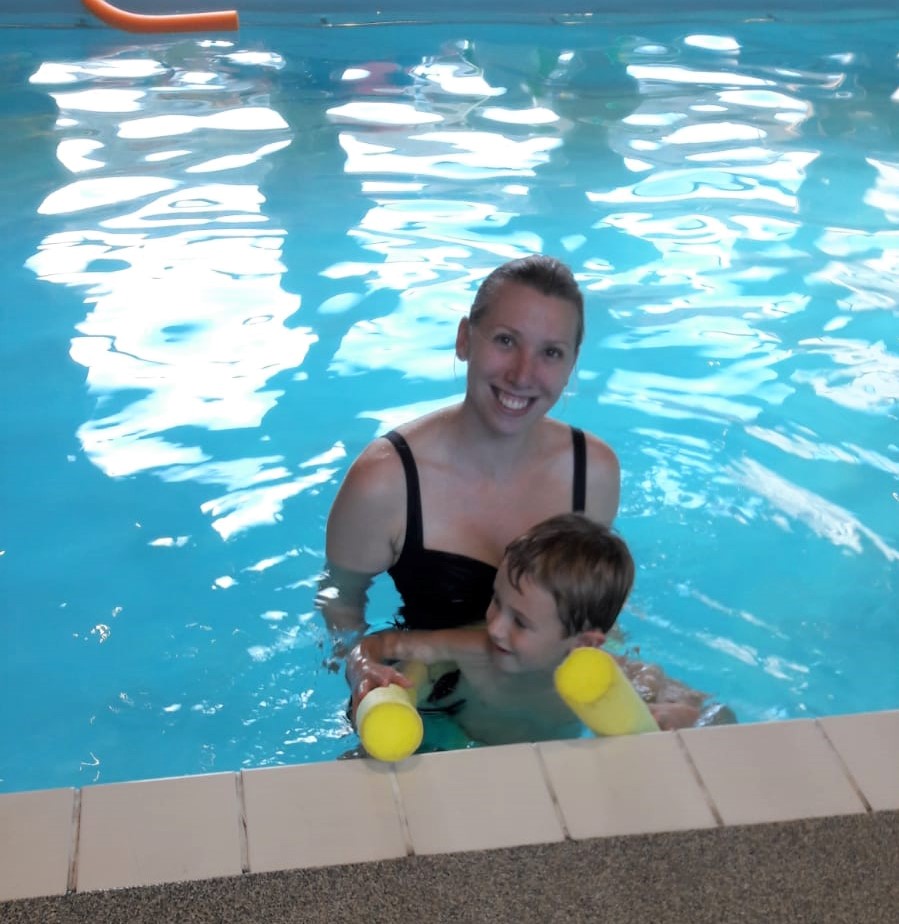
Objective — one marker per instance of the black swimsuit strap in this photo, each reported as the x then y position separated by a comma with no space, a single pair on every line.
579,485
414,530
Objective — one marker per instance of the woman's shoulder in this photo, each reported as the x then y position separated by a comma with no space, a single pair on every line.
603,473
598,451
376,472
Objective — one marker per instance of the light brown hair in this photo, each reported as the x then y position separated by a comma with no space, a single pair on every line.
586,567
546,275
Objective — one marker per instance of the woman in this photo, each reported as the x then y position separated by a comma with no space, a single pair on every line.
437,501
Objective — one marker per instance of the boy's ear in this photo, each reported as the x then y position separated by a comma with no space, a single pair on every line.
590,638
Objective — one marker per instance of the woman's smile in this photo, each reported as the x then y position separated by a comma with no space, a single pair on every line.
516,404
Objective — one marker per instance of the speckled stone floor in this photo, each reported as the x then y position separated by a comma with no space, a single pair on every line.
821,871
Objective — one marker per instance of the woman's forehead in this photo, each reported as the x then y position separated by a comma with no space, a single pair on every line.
519,306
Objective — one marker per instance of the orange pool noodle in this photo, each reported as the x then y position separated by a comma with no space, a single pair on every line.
221,21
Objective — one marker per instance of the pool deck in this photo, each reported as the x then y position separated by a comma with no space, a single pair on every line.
781,821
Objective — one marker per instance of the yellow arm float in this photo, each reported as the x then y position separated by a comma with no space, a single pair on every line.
589,681
593,686
221,21
387,719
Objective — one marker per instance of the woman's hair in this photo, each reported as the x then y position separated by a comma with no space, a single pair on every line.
586,567
546,275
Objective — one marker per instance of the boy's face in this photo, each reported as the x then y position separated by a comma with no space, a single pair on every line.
523,627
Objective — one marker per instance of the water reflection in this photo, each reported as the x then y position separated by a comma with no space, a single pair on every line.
189,321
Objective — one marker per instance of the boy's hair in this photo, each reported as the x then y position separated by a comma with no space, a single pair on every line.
586,567
546,275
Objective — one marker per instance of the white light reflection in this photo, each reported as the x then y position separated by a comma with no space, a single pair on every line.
745,653
73,154
809,446
456,79
539,115
382,114
258,504
471,155
234,161
827,520
684,75
885,194
863,376
247,119
100,100
114,69
719,43
95,193
733,393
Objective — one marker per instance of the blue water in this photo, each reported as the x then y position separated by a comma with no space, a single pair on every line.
229,264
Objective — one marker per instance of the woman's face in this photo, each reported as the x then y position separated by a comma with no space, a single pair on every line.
520,355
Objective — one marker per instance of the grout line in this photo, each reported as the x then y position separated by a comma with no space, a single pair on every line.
242,835
719,821
401,811
845,768
74,842
552,793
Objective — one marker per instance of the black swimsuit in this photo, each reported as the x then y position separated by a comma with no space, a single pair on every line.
441,590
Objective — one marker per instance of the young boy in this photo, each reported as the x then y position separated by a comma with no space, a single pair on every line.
560,585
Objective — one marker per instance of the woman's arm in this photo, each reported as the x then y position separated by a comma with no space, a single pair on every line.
366,663
365,532
428,647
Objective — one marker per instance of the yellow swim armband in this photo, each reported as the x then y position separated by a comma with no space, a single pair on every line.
387,719
593,686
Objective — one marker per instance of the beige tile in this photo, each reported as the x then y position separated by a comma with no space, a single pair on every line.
869,745
158,831
775,771
477,800
640,784
36,835
321,814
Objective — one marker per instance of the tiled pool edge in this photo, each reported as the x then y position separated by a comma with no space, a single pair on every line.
351,812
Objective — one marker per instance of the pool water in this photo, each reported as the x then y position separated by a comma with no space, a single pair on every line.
230,263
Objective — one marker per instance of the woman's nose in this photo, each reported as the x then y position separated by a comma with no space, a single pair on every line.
521,369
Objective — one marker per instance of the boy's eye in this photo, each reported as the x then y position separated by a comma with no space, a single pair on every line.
553,353
503,339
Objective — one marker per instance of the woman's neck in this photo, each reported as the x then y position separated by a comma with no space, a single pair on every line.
485,450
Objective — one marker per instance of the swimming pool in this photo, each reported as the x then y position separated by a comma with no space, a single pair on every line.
230,263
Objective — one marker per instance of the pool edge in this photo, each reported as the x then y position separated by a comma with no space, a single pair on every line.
349,813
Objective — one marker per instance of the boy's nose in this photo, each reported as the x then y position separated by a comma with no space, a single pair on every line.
494,622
